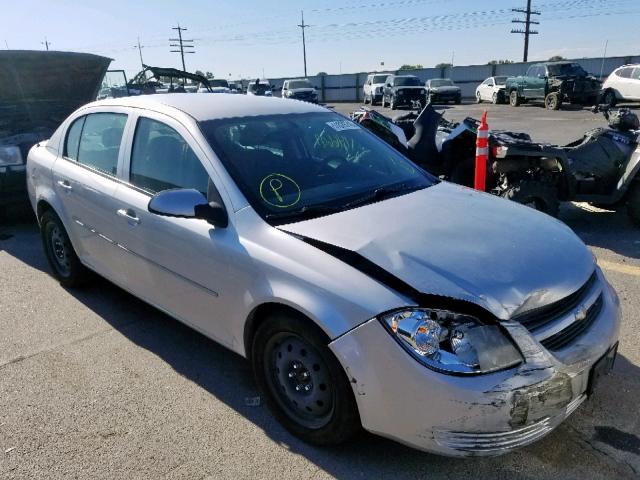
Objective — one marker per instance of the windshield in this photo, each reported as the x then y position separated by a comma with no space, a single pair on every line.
260,88
219,83
566,69
299,84
297,166
407,81
501,80
441,83
379,78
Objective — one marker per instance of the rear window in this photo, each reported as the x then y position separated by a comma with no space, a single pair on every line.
100,141
73,139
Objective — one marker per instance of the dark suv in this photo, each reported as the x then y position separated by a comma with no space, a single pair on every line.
554,83
403,90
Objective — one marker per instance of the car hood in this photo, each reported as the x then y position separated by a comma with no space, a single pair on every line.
302,90
448,89
455,242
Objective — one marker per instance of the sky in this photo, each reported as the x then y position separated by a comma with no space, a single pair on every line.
252,38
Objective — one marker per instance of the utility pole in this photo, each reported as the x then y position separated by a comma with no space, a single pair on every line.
304,45
186,46
46,43
140,47
527,26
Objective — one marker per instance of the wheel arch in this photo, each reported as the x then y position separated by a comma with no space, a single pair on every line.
261,312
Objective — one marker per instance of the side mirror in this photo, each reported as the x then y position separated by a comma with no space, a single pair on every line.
188,203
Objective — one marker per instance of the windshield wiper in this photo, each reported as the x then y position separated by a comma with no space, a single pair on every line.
308,211
380,194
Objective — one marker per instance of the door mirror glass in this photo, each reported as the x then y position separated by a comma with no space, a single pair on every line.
188,203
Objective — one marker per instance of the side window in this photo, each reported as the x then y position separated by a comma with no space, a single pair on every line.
161,159
73,139
100,141
636,73
624,72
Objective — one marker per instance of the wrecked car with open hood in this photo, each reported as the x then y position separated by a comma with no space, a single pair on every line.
364,291
38,90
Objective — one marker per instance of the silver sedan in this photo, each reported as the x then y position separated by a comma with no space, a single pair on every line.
364,291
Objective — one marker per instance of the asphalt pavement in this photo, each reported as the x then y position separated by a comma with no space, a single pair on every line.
96,384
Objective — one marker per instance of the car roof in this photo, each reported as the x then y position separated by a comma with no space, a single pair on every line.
206,106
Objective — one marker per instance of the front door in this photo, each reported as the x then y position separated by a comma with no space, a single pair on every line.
178,264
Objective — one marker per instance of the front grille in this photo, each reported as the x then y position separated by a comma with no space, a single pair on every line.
573,331
541,317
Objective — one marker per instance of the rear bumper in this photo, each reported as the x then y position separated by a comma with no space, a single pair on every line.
491,414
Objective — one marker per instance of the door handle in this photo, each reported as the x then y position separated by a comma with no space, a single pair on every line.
129,214
65,184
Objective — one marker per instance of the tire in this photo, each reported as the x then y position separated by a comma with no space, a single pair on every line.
65,264
534,194
494,98
552,101
633,202
609,98
392,103
514,99
364,100
383,103
458,100
478,97
294,368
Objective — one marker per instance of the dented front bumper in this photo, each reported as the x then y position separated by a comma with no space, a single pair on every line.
491,414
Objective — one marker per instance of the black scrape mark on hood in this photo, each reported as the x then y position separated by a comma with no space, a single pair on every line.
366,266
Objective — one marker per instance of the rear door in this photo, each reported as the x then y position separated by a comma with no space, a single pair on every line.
634,85
85,179
178,264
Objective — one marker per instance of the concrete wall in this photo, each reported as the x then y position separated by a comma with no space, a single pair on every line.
348,86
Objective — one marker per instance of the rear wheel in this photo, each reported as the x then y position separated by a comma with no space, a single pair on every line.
62,258
633,202
514,99
478,97
534,194
304,384
552,101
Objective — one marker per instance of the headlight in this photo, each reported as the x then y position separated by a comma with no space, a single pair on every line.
10,156
450,342
289,93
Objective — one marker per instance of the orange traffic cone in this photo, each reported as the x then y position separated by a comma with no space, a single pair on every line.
482,154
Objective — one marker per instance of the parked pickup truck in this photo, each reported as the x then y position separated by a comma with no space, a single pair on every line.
553,83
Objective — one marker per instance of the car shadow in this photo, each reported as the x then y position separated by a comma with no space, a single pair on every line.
608,229
227,377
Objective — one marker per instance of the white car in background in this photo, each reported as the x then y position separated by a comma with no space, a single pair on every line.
623,84
373,87
491,90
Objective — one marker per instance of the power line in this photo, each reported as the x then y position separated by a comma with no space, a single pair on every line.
140,47
304,44
46,43
527,26
186,46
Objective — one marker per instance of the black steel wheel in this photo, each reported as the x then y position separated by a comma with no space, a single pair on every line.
62,258
609,98
303,383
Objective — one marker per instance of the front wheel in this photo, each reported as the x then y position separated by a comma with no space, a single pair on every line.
609,98
494,98
553,101
534,194
633,202
514,99
303,383
478,97
392,103
62,258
